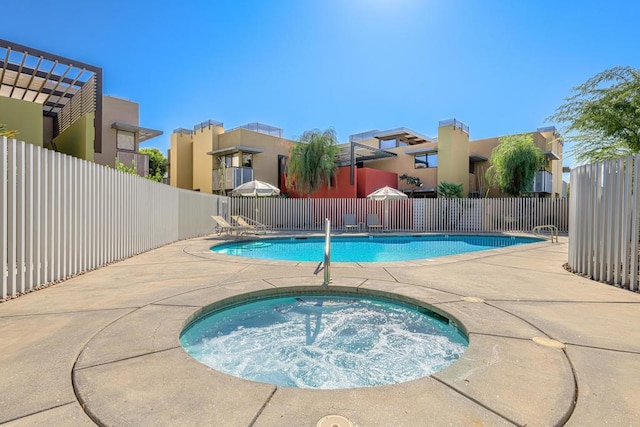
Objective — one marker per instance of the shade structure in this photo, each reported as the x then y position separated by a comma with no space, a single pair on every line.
387,193
255,189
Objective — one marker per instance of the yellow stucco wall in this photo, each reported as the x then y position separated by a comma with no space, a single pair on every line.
77,139
265,164
405,163
453,157
23,116
204,141
181,161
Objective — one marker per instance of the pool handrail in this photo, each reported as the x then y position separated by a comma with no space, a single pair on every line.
327,252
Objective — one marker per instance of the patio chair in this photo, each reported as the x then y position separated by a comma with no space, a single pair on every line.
222,226
373,222
349,222
254,226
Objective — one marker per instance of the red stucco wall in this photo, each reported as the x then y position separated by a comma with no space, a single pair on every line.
369,180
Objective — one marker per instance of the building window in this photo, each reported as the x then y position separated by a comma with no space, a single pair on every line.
247,160
426,161
472,167
126,140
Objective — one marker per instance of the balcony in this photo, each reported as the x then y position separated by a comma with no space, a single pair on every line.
229,178
543,182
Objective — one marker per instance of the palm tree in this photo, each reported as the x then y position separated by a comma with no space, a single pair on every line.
312,161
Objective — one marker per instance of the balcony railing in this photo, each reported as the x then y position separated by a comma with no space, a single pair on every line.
229,178
543,182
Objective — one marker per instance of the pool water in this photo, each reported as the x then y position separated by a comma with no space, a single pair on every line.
325,342
368,248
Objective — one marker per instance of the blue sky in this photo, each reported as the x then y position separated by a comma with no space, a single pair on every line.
499,66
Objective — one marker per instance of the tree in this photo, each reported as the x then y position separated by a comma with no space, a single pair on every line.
514,163
411,180
124,168
157,164
312,161
602,117
6,132
450,190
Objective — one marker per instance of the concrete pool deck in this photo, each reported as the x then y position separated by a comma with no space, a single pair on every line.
103,347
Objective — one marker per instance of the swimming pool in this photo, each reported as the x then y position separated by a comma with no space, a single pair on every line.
368,248
325,341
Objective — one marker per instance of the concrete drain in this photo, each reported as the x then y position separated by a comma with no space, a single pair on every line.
473,299
334,421
548,342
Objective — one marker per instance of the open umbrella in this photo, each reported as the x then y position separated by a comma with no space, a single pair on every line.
385,194
255,188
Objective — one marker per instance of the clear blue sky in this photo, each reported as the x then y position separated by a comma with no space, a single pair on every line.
499,66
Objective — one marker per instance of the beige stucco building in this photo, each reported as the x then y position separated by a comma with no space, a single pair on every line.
57,103
452,157
209,159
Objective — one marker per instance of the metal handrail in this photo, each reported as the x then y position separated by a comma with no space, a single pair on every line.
553,230
327,252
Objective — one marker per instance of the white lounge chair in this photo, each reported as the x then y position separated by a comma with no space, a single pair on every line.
373,222
253,226
222,226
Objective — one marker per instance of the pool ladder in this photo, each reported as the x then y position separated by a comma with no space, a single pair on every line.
552,229
326,264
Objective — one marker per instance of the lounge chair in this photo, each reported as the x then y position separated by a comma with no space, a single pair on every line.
373,222
254,226
222,226
349,222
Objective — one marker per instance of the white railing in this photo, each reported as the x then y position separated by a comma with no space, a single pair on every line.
604,228
409,215
61,216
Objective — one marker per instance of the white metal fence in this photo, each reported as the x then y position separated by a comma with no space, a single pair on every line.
60,216
410,215
604,230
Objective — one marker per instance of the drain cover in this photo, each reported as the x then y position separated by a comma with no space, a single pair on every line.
334,421
548,342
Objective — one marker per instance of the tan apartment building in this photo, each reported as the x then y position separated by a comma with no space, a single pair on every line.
57,103
452,157
212,160
209,159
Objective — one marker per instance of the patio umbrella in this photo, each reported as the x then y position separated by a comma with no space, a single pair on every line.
255,189
385,194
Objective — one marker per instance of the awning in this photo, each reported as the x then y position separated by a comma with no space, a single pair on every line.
550,155
143,133
474,157
425,150
361,153
235,149
403,134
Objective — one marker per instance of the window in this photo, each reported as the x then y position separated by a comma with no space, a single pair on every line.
472,167
426,161
126,140
247,160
